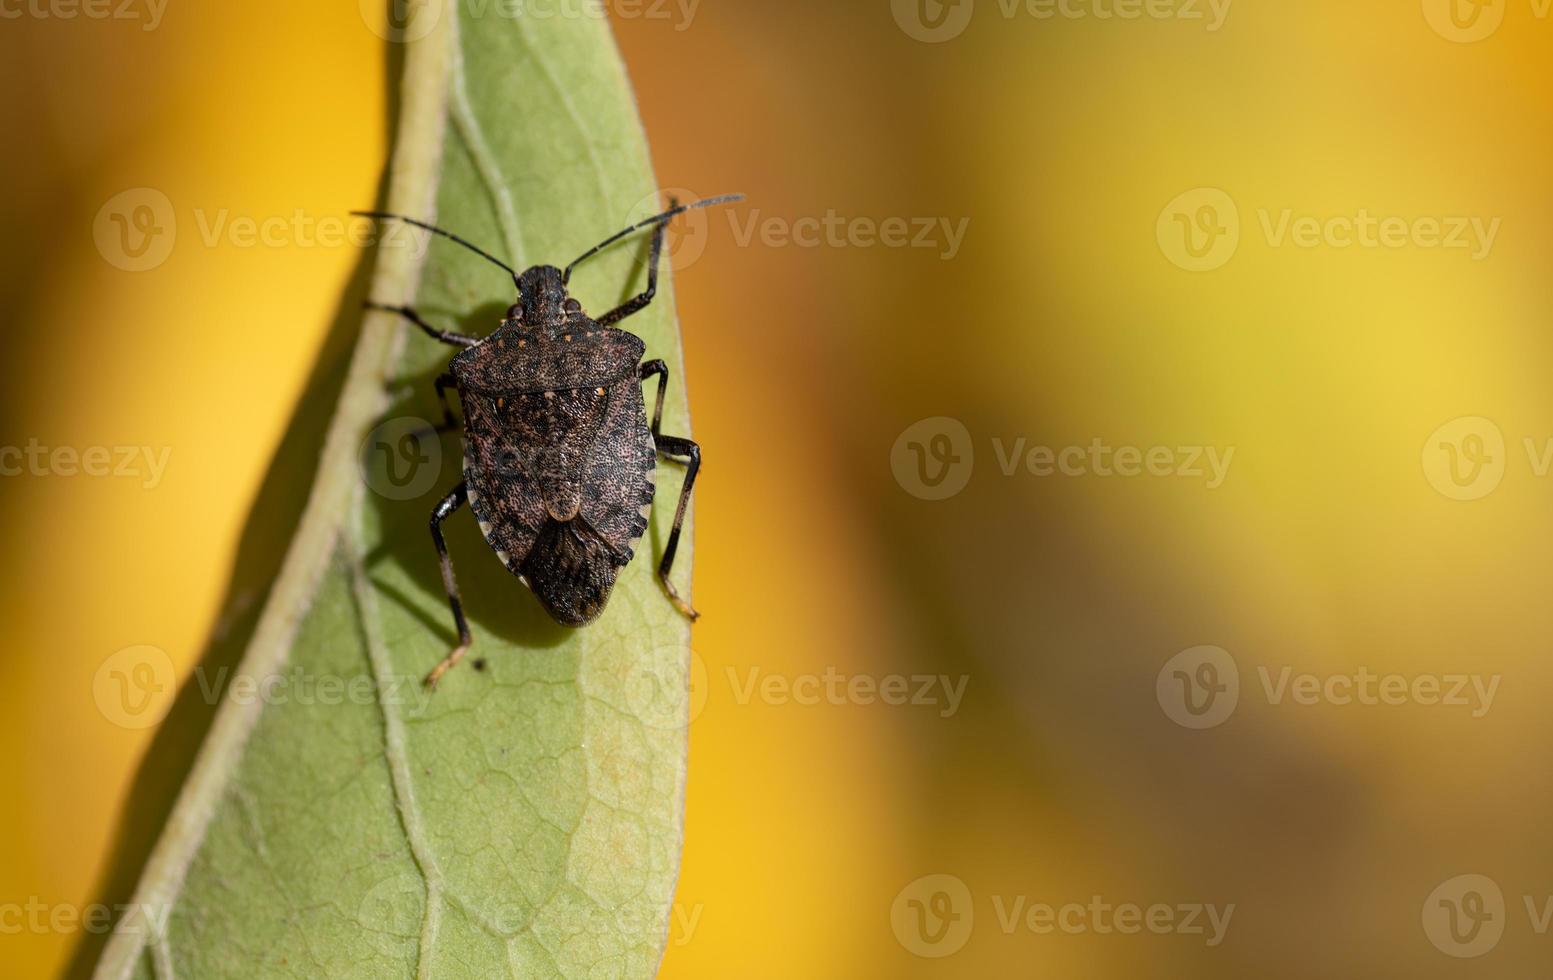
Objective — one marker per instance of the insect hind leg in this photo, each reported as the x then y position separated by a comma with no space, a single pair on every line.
677,447
445,508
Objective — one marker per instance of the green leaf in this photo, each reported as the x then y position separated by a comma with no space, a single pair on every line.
526,819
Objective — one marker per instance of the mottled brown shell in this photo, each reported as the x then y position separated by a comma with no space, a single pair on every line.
558,457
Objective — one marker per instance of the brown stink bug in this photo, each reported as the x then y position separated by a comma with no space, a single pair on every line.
558,452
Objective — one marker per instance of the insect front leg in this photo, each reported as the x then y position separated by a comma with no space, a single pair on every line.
650,368
683,449
435,333
452,502
637,303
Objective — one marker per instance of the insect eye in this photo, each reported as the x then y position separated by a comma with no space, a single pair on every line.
572,306
515,311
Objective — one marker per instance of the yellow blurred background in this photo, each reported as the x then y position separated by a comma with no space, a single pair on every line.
1099,166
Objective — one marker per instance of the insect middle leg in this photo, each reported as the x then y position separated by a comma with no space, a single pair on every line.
444,382
452,502
449,423
638,303
445,336
687,451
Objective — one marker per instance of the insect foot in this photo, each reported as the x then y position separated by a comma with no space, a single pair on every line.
685,608
448,663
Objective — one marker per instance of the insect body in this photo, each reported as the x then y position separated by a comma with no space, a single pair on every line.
559,455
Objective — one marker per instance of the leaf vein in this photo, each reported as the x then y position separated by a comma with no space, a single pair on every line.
394,747
469,130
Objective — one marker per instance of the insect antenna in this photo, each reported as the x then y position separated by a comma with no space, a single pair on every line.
381,215
655,219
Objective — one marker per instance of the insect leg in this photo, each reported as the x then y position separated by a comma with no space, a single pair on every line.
449,423
638,303
661,369
445,336
449,504
674,446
